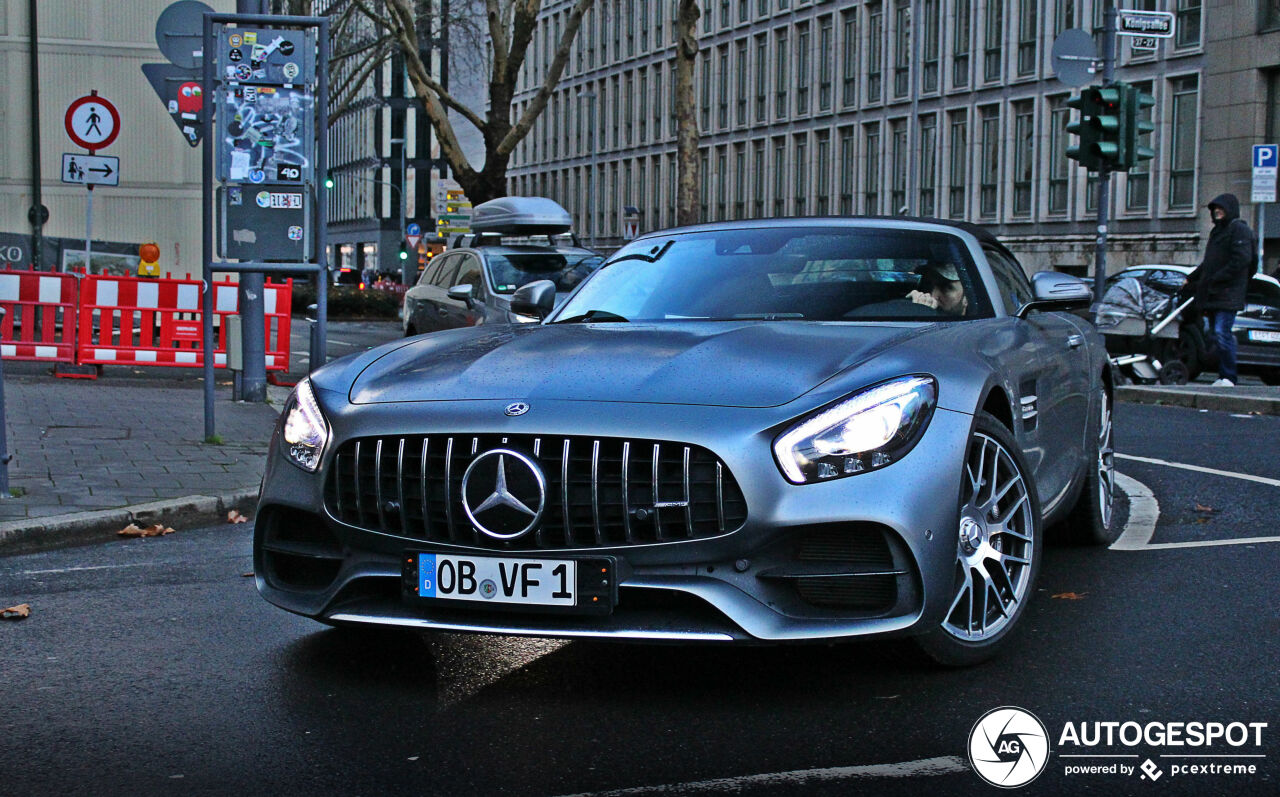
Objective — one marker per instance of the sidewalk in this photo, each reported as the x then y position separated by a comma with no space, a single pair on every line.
91,457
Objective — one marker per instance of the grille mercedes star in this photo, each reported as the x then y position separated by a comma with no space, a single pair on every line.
600,491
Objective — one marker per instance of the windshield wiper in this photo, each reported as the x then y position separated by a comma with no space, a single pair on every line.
652,256
596,316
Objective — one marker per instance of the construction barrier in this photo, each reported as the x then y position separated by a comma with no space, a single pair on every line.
40,318
107,320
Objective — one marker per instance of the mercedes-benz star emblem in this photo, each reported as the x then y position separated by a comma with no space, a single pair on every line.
519,408
504,493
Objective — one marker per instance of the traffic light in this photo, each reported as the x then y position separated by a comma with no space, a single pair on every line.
1135,101
328,180
1101,127
404,251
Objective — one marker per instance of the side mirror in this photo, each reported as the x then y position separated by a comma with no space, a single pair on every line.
537,299
462,293
1051,290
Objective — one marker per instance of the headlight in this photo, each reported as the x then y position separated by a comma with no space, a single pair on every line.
867,431
305,430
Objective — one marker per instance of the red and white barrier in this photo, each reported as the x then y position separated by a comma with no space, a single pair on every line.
105,320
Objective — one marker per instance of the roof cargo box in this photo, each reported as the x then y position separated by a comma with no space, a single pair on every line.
520,215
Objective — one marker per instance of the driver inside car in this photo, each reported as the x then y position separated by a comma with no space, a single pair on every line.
940,288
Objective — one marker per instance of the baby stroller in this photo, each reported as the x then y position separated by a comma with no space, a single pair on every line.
1141,324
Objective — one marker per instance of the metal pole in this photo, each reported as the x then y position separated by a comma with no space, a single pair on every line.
88,233
4,450
319,349
1104,171
1262,232
253,344
37,222
405,268
206,182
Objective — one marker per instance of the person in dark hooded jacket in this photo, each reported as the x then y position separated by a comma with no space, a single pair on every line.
1221,280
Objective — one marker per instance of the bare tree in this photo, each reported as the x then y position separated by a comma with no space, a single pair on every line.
686,118
508,30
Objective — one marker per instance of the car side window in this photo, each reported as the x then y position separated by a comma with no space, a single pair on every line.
1015,288
444,278
432,271
469,274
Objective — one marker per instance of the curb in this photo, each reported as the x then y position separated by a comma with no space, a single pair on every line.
1220,400
79,528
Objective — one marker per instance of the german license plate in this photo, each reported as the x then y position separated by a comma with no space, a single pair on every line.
586,585
1264,336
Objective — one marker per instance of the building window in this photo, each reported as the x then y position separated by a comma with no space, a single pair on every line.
1028,36
657,102
800,175
658,218
898,166
740,84
628,103
957,172
781,83
757,179
802,69
1059,163
1137,192
722,89
847,167
705,93
644,25
871,175
1024,157
740,181
722,183
901,48
744,10
849,60
1182,149
779,177
825,54
704,179
928,166
1066,13
932,46
1187,21
822,178
875,51
993,42
989,184
642,121
762,79
960,33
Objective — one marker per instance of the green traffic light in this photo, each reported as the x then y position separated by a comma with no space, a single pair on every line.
403,254
328,181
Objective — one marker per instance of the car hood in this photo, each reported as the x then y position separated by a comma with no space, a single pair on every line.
748,364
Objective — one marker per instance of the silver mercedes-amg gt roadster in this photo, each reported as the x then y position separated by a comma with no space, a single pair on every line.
760,431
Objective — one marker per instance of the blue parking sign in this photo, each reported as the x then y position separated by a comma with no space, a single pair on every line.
1266,156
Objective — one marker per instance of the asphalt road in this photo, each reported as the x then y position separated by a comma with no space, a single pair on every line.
152,667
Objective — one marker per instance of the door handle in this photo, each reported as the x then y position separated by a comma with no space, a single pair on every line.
1075,341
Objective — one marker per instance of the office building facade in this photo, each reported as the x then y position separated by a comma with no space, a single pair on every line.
946,108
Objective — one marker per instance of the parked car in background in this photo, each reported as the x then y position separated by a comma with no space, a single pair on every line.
472,285
785,430
1256,329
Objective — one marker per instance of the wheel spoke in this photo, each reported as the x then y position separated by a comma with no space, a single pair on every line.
1008,514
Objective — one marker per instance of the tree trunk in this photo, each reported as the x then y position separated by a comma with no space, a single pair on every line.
686,118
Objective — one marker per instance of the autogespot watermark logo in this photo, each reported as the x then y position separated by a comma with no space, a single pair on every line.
1009,747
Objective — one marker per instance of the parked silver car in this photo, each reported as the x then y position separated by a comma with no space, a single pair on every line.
756,431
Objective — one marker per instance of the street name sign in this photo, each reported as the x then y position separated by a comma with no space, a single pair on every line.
1266,160
92,122
90,169
1144,23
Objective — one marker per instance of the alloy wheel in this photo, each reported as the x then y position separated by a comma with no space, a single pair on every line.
1106,464
995,543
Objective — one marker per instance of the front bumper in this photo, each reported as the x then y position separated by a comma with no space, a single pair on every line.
743,585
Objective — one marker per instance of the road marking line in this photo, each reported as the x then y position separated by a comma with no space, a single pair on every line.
1144,511
943,765
81,569
1249,477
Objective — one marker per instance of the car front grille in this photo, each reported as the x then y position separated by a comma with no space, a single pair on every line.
599,491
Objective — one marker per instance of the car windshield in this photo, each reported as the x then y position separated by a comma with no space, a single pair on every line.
788,273
509,270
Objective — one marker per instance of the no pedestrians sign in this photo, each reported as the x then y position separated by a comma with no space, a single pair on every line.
92,122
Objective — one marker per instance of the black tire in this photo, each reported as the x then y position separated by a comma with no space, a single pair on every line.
999,541
1191,349
1092,520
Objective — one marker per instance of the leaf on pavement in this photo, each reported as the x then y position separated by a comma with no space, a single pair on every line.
250,574
20,612
158,530
1202,508
234,516
1071,596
